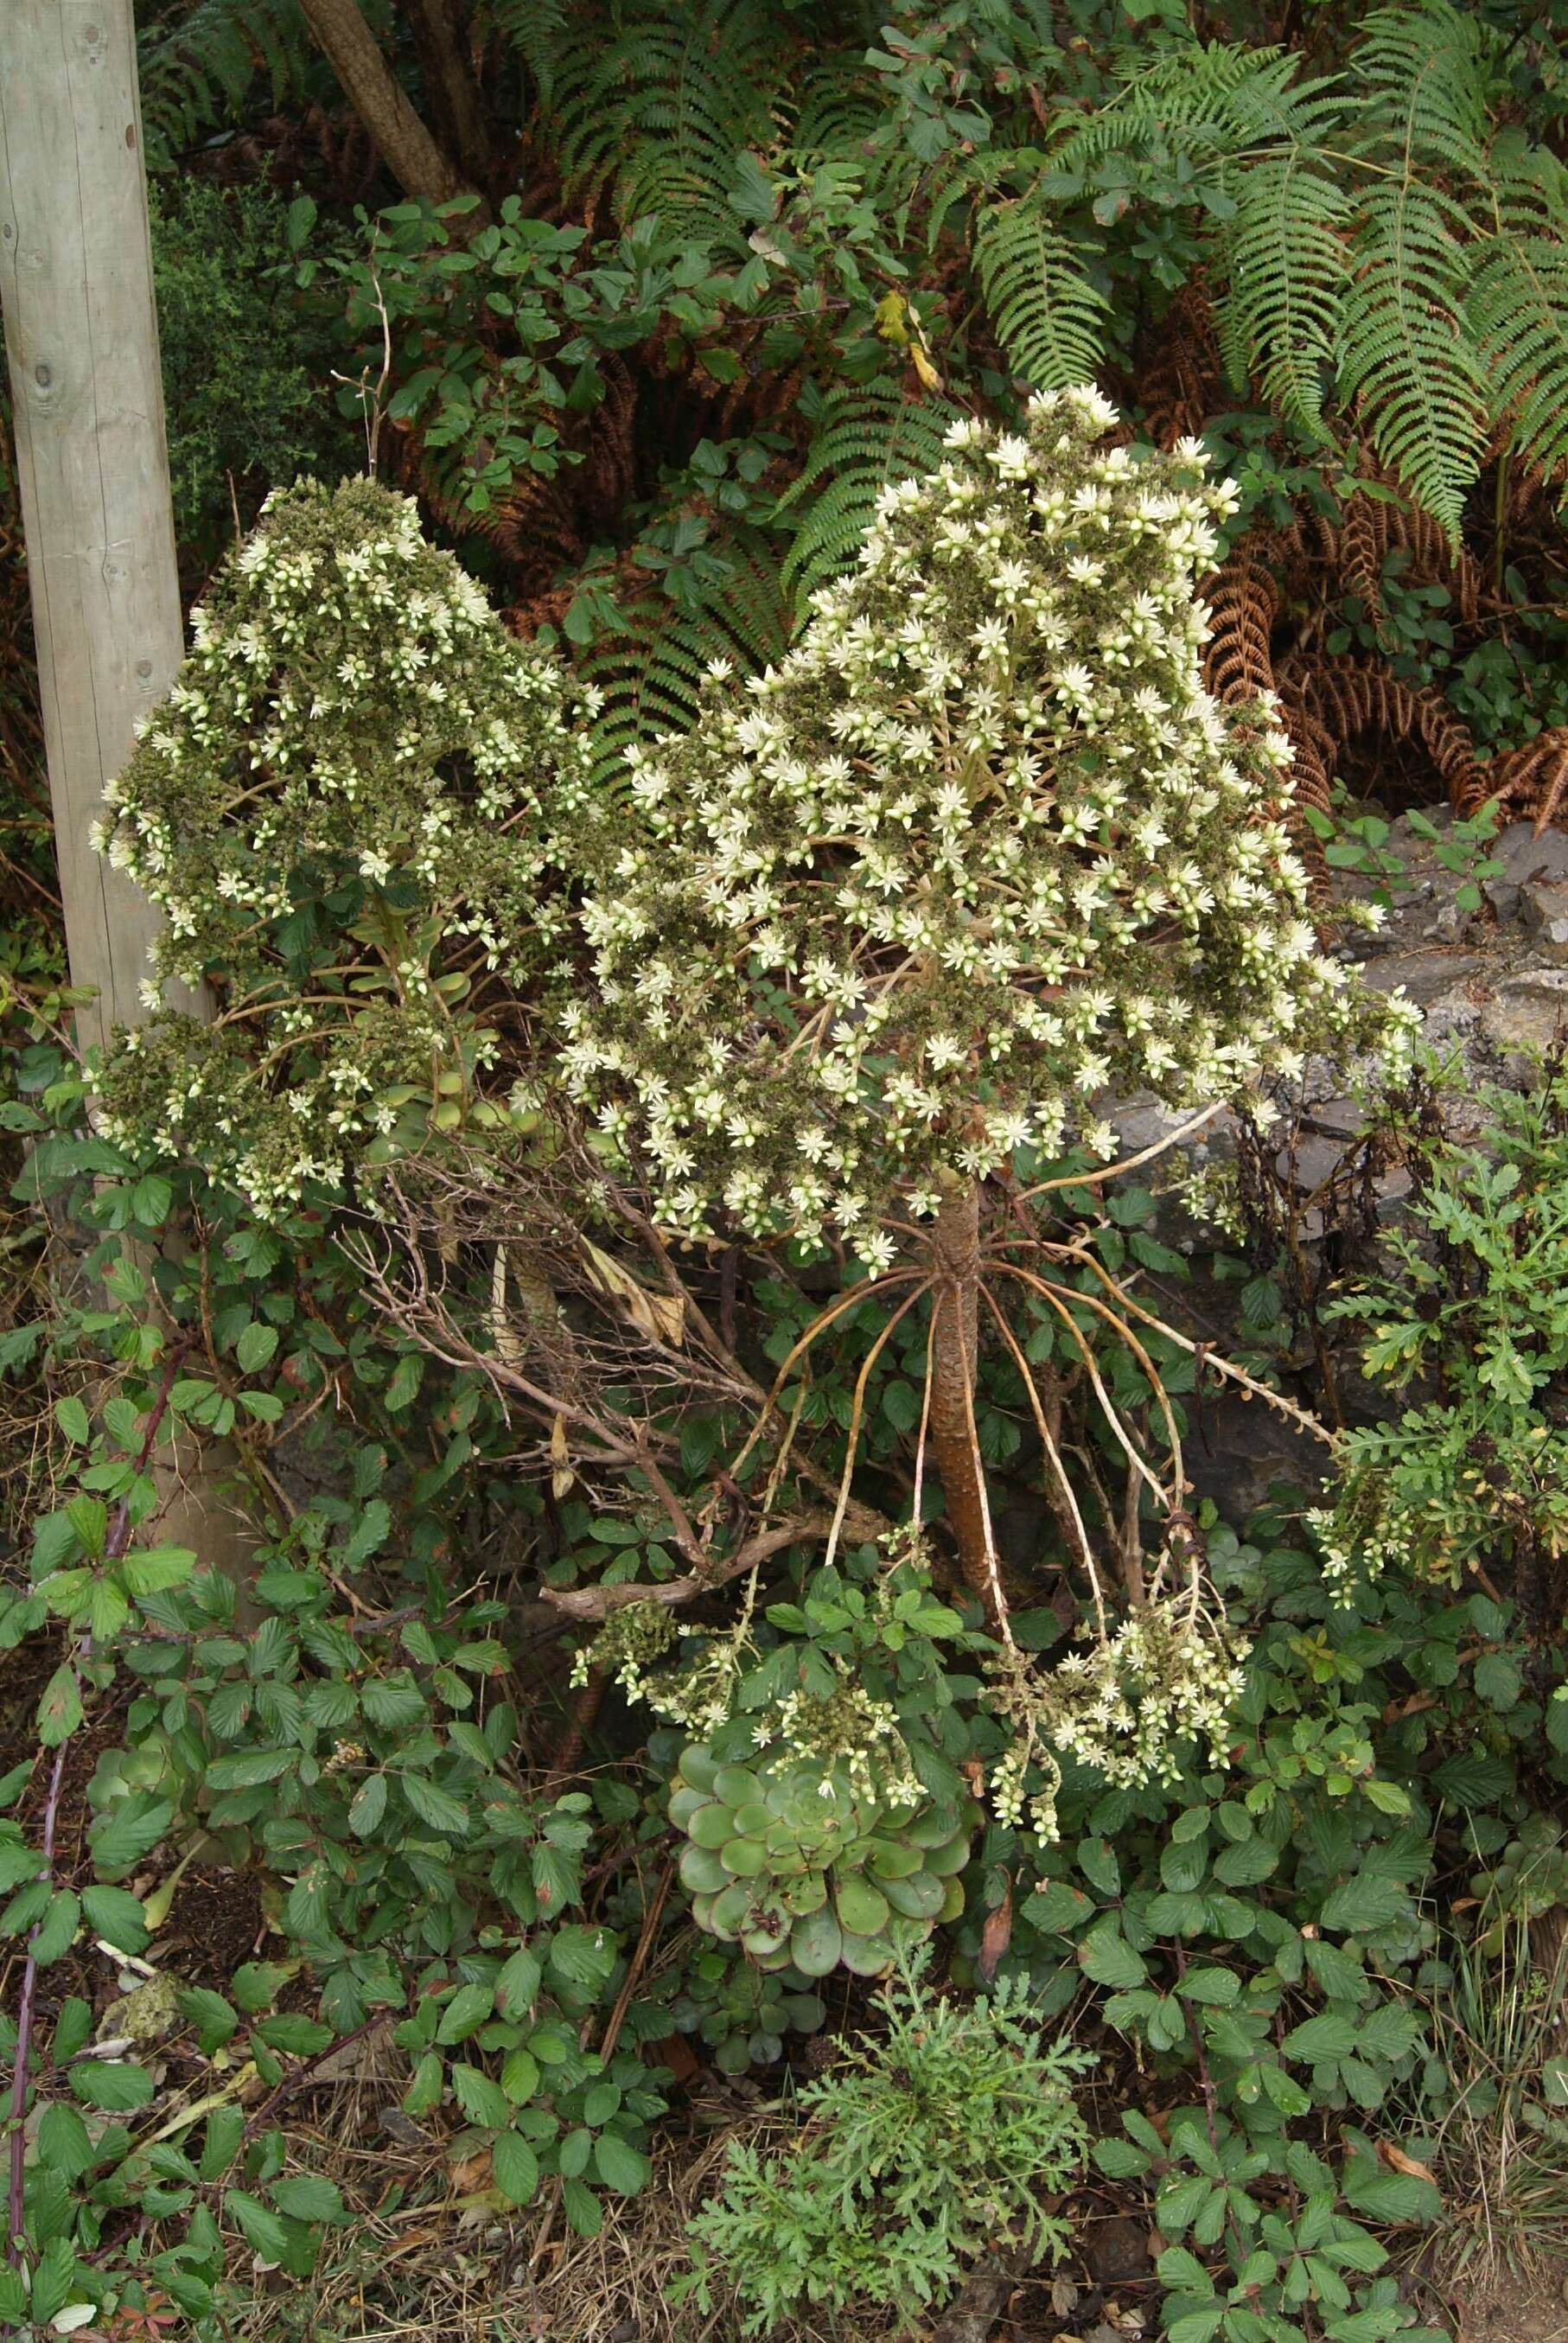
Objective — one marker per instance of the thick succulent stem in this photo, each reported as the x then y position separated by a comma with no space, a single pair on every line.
955,1254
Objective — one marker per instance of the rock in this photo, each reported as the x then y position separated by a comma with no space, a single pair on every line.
1528,1010
1341,1118
1448,925
1141,1120
402,2128
1524,856
1543,908
1116,2250
1315,1160
1236,1449
145,2014
1426,976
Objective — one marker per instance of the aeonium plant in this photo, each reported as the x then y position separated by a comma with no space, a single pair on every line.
980,846
347,810
883,931
980,849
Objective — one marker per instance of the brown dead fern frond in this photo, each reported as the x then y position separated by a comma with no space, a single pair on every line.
1531,782
1180,388
1349,697
1244,599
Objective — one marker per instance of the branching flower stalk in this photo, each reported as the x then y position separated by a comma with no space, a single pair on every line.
979,850
356,752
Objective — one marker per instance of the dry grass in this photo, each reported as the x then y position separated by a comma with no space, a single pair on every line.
431,2253
1504,2136
1500,2151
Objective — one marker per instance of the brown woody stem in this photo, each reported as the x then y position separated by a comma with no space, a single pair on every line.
955,1257
373,90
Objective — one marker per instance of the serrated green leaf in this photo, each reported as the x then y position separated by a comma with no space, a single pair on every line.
158,1568
1322,2039
65,2144
72,1418
225,2130
57,1930
262,2229
367,1806
60,1707
584,2213
620,2166
1107,1957
115,2088
515,2167
481,2100
467,2011
255,1347
214,2019
517,1986
308,2197
1364,1904
435,1806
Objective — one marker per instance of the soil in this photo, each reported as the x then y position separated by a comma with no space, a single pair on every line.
215,1921
1104,2291
1529,2307
215,1925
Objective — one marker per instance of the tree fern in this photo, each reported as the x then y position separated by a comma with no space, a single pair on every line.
651,675
864,437
1518,306
662,111
1418,378
1047,312
198,68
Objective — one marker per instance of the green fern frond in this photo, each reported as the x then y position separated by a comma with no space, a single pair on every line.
1518,305
1420,386
1278,318
863,438
839,113
1404,354
1256,136
198,69
1422,70
535,29
662,112
651,675
1048,314
1211,102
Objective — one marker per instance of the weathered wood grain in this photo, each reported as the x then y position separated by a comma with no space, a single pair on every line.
81,337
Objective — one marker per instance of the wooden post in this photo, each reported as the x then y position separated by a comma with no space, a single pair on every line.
81,336
87,403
